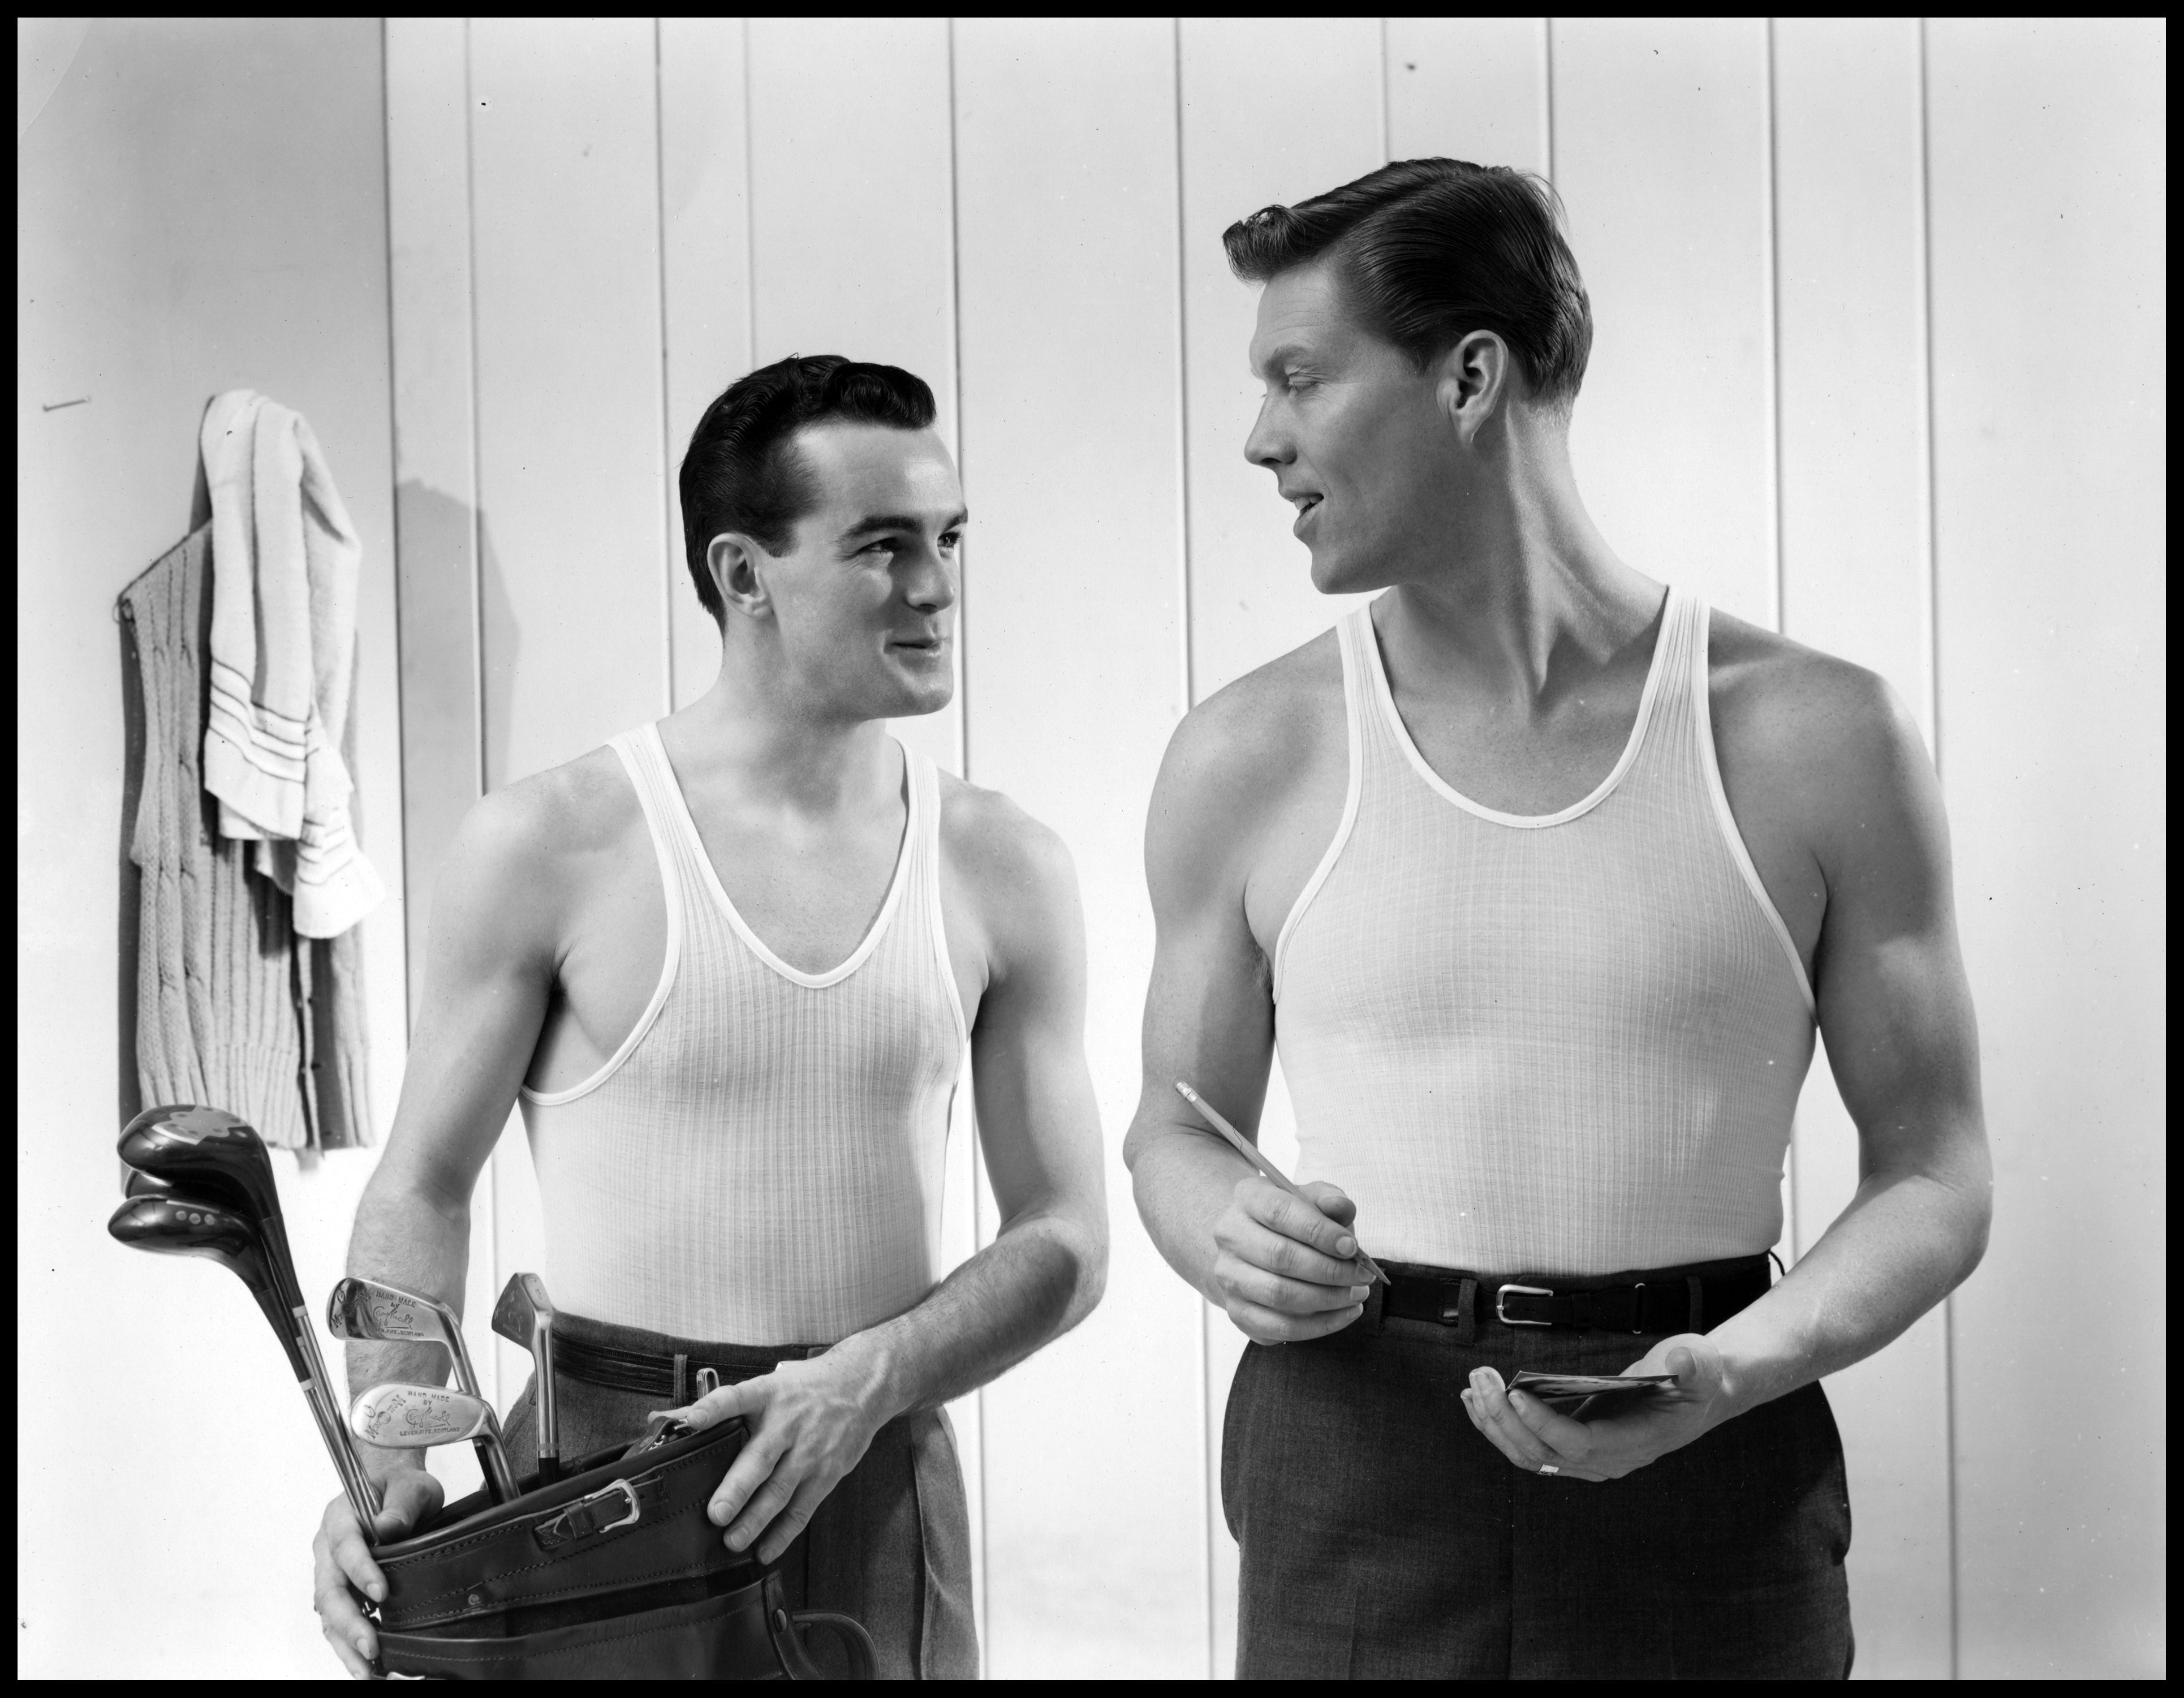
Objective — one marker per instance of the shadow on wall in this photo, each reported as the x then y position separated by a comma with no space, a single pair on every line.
451,620
501,648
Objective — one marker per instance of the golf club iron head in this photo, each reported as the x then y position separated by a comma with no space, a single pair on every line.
524,1315
372,1312
407,1417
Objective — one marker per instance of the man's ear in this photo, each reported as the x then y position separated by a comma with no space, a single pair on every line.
738,564
1473,383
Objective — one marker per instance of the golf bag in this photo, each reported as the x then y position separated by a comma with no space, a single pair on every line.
612,1573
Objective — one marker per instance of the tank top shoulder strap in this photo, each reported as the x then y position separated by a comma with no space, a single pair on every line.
1358,716
646,763
924,893
644,758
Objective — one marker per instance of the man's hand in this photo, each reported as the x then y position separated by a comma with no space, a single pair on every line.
1530,1433
342,1566
810,1423
1285,1271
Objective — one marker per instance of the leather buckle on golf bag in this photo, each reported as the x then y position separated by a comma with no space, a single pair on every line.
588,1517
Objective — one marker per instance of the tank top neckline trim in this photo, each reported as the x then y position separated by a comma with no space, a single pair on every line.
686,829
1360,648
1368,641
666,816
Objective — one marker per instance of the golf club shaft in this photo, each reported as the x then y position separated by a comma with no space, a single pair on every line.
321,1392
356,1484
493,1458
549,1424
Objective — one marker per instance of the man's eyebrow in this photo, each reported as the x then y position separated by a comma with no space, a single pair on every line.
1277,355
872,524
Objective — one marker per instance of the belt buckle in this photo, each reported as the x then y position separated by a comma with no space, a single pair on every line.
573,1522
1502,1297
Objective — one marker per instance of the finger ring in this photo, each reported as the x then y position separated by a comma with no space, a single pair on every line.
1549,1468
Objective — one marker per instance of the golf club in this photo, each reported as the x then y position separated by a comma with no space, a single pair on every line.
397,1416
219,1156
181,1224
525,1315
368,1310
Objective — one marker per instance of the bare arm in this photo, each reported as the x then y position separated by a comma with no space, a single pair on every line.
1280,1271
1896,1010
1040,1130
489,971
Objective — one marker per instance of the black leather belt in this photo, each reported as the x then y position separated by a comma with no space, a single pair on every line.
1681,1299
673,1377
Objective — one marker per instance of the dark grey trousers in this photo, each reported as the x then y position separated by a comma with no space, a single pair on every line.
1384,1537
891,1545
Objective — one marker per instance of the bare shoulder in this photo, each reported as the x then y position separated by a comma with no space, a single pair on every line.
1012,878
986,838
1820,748
1776,700
1251,731
524,849
1240,759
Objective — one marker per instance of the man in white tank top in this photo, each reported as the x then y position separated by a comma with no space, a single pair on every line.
731,964
1539,878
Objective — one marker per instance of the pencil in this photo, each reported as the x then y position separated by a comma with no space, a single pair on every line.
1245,1148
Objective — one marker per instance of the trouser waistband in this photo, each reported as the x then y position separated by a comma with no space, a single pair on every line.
1689,1299
659,1364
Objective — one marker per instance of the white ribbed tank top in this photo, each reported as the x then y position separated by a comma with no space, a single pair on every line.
761,1161
1563,1043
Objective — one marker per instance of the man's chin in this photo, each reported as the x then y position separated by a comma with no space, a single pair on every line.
1332,575
916,696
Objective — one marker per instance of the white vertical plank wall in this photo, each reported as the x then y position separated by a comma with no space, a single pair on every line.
1891,385
2048,219
705,285
1856,581
1066,150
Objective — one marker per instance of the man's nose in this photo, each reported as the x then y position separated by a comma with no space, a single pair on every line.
930,584
1269,445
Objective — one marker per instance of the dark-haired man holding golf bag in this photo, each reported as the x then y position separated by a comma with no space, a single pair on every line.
730,963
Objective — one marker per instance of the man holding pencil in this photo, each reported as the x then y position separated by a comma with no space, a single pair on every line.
1540,876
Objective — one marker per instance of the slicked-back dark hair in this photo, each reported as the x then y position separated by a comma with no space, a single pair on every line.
1426,251
741,473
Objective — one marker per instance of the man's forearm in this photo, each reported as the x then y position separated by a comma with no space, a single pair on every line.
421,1243
1182,1179
1037,1279
1906,1240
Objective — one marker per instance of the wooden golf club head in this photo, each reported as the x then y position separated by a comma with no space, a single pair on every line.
183,1223
215,1153
410,1417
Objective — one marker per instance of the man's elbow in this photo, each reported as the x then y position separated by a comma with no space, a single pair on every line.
1978,1224
1090,1253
